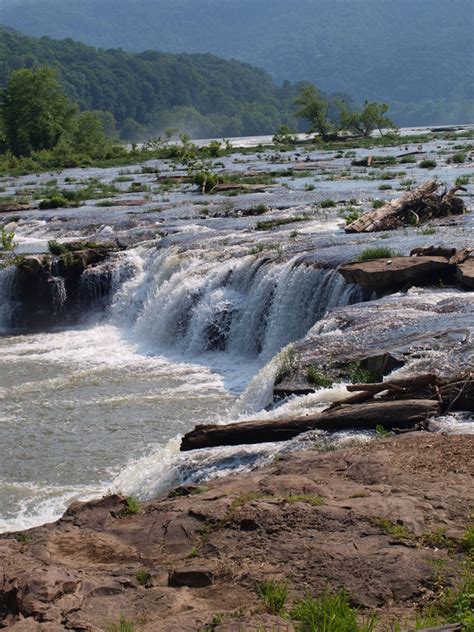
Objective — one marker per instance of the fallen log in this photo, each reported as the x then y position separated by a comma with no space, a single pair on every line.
415,206
453,394
460,257
433,251
402,414
13,207
452,627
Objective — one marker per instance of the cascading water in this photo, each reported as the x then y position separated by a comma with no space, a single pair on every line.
8,304
246,306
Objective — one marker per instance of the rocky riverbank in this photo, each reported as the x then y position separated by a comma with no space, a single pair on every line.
387,522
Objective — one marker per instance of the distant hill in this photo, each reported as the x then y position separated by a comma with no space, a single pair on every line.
148,92
415,54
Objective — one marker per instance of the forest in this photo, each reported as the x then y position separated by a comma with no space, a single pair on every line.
417,56
149,92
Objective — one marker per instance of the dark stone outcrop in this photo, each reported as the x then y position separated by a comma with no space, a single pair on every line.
465,274
49,289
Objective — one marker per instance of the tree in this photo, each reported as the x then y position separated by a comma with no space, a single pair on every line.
35,110
314,108
87,135
364,122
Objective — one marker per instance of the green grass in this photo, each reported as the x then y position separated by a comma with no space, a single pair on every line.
378,203
143,577
377,252
274,596
330,612
287,362
311,499
317,378
385,187
454,604
393,529
428,230
132,506
467,542
193,553
462,181
360,375
123,625
23,538
405,160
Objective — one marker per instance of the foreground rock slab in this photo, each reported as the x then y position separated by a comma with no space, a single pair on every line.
310,519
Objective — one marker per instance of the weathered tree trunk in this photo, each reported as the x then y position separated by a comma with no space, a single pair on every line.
453,394
402,414
415,206
391,214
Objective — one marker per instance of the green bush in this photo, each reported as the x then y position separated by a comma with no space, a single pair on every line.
259,209
327,203
427,164
56,201
406,160
458,158
55,248
351,215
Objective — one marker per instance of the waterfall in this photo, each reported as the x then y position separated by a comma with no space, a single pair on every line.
251,307
99,283
8,303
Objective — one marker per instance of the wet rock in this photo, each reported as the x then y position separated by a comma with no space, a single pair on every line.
48,288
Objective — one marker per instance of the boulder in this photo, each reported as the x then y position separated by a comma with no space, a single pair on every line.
391,275
465,274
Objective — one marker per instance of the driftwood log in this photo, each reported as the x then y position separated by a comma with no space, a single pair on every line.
415,207
389,414
453,394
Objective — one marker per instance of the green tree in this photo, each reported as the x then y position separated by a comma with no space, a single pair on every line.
364,122
314,108
87,135
34,110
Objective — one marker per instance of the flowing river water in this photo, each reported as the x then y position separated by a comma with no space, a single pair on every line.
200,307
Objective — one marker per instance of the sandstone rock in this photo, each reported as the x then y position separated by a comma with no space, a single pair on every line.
90,577
391,275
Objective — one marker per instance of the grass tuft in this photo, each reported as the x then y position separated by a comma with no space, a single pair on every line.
377,252
274,596
329,612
